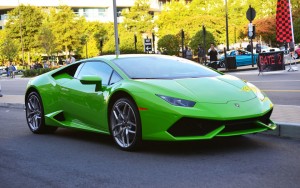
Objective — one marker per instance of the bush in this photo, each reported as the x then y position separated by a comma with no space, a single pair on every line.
169,45
35,72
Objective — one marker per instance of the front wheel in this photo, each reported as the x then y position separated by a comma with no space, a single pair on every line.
125,124
35,114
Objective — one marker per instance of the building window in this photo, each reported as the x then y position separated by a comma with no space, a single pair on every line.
91,13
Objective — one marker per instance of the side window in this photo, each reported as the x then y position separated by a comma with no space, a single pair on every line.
97,68
115,78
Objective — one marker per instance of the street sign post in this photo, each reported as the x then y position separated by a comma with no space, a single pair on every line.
147,45
250,15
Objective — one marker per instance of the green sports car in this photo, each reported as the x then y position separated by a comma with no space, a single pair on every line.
145,97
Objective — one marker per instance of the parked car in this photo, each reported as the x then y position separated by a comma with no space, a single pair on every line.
2,70
297,53
146,97
269,49
242,57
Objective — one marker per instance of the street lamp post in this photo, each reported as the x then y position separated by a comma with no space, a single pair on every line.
226,16
116,28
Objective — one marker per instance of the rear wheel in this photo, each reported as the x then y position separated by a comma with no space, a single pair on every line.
35,114
125,124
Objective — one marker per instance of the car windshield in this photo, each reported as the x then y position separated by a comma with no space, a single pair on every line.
162,67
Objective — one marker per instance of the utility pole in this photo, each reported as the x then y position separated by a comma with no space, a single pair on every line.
226,15
116,28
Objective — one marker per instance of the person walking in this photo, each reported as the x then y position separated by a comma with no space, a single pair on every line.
201,54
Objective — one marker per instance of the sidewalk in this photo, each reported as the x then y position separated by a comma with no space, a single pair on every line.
285,116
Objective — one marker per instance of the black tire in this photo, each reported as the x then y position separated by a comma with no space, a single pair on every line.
35,114
125,124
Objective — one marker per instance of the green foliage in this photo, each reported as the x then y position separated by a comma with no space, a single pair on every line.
35,72
47,38
24,24
138,19
198,39
8,47
169,45
67,28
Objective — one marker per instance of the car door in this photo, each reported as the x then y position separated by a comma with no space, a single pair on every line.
82,103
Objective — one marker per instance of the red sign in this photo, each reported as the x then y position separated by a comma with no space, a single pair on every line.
271,61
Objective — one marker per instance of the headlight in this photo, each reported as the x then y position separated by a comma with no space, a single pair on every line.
177,102
257,91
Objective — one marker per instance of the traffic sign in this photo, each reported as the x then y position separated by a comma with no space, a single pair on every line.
250,14
147,45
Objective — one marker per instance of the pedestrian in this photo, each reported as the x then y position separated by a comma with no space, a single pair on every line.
213,56
201,54
249,49
212,52
7,72
72,59
258,48
189,54
11,70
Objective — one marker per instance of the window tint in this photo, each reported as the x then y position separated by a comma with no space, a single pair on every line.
97,68
115,78
161,67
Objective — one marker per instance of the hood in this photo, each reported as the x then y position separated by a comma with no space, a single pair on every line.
220,89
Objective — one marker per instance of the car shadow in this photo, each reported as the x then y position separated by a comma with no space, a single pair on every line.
203,147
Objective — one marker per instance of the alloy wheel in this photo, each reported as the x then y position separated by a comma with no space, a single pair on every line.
34,112
124,124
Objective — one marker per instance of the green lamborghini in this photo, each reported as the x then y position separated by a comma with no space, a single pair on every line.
146,97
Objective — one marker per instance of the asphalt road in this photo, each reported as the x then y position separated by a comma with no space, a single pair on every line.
282,87
15,86
71,158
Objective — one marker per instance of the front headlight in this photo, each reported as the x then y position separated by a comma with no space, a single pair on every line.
257,91
177,102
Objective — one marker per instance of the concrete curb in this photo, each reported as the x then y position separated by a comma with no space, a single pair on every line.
289,130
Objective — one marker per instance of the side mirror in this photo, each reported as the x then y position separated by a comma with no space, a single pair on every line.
92,79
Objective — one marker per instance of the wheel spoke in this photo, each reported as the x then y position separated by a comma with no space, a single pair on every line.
131,124
30,114
120,113
30,105
127,137
117,126
131,131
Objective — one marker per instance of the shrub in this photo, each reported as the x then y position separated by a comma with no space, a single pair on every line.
35,72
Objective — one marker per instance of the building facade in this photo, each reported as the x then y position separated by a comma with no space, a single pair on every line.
92,10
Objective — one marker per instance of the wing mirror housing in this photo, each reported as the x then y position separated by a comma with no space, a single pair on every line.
92,79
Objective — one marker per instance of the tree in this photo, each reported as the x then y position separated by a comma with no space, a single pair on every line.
47,39
24,24
8,47
198,39
137,18
169,45
67,29
266,28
